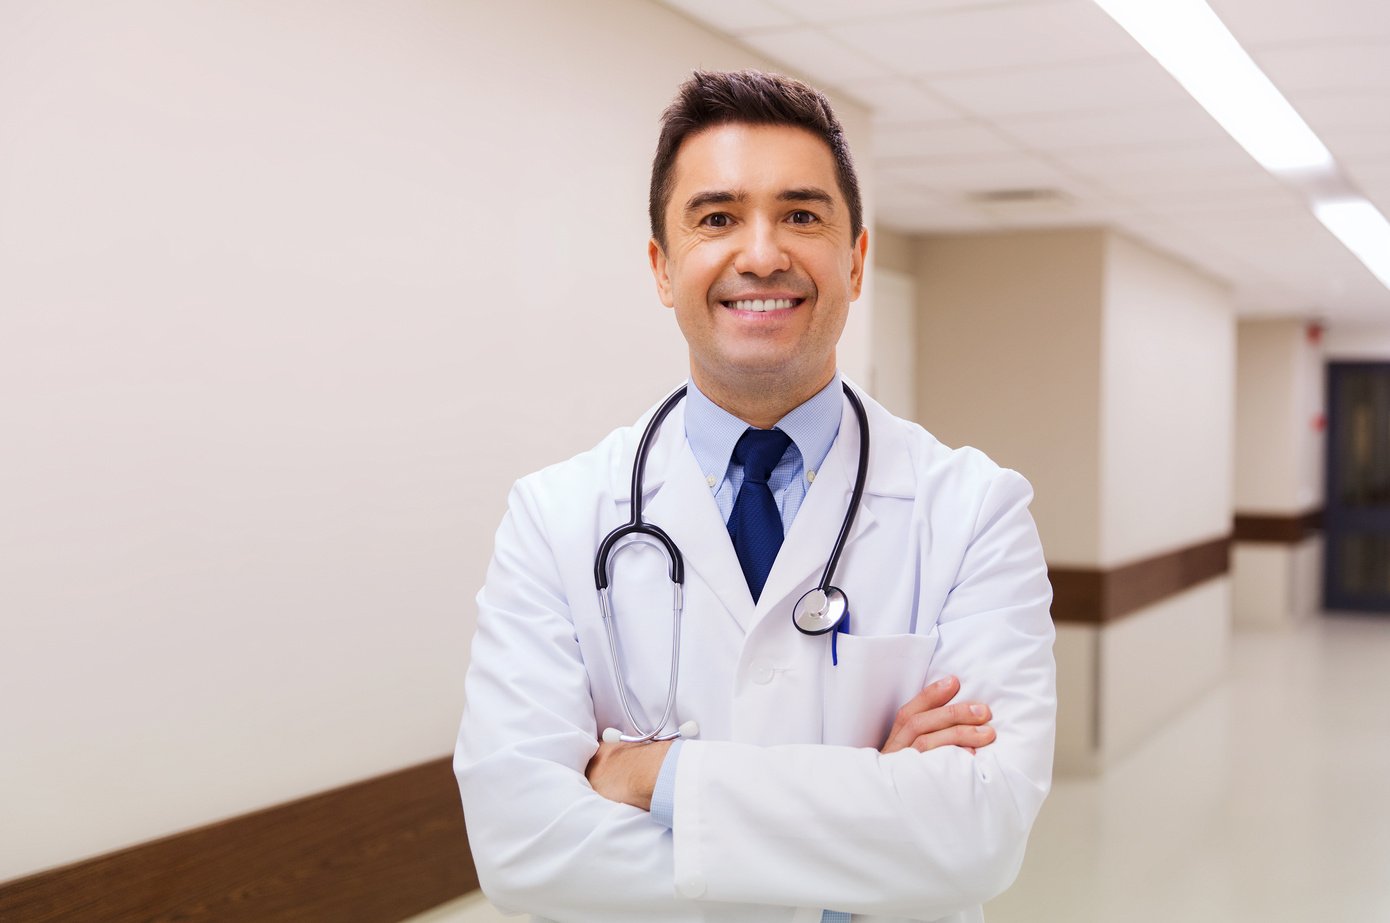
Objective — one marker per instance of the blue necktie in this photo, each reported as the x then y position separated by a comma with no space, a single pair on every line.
755,525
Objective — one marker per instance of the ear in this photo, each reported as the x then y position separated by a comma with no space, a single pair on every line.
663,279
856,271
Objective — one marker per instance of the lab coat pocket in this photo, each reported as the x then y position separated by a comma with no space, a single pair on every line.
876,675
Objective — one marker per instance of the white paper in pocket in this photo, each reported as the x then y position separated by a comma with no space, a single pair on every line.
876,676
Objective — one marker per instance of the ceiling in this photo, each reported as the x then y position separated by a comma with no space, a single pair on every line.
971,97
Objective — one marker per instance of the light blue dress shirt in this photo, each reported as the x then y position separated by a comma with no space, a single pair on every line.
712,433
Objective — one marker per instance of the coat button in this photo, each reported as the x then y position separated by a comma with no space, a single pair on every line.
693,886
762,672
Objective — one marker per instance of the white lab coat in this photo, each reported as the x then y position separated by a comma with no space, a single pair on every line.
783,804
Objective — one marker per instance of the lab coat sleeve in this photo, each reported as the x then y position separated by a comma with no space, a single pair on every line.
915,835
543,840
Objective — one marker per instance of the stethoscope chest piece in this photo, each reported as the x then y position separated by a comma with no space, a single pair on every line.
820,610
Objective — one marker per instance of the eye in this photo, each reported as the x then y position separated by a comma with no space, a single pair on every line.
716,220
801,216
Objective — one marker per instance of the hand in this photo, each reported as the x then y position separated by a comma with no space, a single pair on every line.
627,773
927,722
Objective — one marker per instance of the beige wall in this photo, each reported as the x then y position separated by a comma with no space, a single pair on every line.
1167,404
1279,468
1275,585
1009,352
893,250
893,362
1280,391
292,293
1351,342
1099,368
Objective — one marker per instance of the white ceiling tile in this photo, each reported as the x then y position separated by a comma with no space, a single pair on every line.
1071,214
1353,145
916,211
990,37
1115,83
982,174
898,101
1262,22
1352,65
887,187
734,16
817,55
914,218
1163,186
1268,205
1373,179
1176,239
1355,111
1184,123
1105,163
947,139
838,11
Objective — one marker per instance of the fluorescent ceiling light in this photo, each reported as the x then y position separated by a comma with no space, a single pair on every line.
1363,229
1193,45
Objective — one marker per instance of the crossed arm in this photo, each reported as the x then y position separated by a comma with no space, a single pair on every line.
626,773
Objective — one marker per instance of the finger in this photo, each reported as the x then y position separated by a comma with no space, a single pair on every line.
938,719
970,738
932,696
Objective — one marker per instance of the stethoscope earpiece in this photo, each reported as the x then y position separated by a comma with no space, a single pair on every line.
687,731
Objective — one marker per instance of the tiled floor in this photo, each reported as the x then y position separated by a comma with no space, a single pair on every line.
1268,800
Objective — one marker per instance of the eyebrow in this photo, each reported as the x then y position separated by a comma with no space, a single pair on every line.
715,197
807,194
725,197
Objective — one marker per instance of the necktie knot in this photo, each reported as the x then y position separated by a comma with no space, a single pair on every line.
759,451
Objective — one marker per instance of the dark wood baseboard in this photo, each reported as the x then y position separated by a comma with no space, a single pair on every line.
1094,596
374,852
1283,529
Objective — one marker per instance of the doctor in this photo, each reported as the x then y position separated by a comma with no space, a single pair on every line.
895,780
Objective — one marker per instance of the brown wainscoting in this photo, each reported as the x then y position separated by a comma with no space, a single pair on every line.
374,852
1094,596
1284,529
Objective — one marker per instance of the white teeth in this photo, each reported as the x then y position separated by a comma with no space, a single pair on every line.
762,304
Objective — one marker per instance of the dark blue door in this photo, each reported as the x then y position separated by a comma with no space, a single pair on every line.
1357,522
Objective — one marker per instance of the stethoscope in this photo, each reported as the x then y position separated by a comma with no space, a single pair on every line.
823,609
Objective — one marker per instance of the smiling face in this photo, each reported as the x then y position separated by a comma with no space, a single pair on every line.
759,263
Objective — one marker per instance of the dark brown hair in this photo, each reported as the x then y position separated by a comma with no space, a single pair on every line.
711,98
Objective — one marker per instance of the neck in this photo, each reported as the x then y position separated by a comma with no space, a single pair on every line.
760,403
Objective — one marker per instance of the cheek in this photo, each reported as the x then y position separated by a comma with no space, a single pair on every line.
693,280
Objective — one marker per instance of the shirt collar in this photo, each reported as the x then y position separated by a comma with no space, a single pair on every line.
712,431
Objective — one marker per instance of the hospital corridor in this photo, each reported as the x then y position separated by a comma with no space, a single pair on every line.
793,461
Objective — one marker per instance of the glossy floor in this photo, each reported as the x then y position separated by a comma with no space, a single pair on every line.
1268,800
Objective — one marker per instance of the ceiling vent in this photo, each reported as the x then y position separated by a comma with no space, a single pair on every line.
1022,203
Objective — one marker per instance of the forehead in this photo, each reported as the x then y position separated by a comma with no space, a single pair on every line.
752,159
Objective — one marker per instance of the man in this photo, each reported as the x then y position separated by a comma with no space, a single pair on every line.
892,769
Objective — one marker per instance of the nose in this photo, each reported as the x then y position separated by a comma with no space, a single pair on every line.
761,250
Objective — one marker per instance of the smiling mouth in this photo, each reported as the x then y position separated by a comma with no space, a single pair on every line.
760,305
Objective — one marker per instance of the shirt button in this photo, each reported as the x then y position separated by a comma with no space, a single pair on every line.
762,672
694,886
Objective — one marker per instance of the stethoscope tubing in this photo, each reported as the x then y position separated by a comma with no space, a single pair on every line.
609,548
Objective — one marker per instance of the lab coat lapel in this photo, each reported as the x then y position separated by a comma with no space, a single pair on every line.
683,505
808,544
